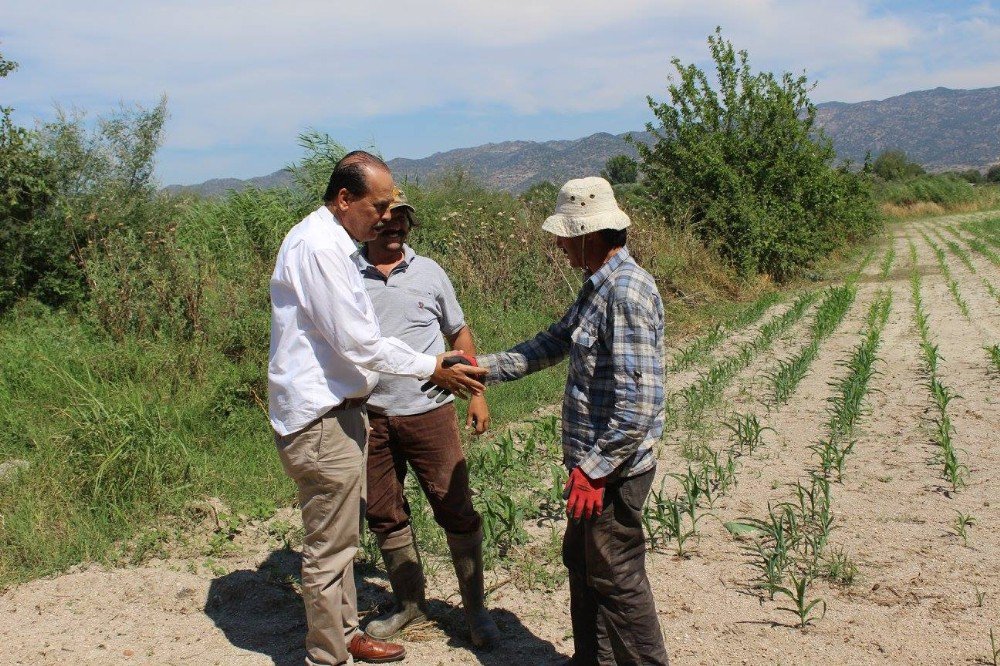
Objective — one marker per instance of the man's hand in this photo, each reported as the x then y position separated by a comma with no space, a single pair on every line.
457,375
479,414
585,496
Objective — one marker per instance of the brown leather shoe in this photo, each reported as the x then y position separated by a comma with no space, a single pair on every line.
365,648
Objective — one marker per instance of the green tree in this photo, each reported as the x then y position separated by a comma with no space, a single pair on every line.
24,190
974,176
895,165
740,161
621,169
993,174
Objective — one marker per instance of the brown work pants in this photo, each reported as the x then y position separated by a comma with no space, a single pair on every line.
430,443
326,460
611,602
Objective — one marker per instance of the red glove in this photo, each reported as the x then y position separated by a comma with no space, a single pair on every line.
585,495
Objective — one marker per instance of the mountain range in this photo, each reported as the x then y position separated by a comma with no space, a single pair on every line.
942,129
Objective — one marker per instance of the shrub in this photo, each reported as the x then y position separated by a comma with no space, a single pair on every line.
620,169
894,165
743,166
945,190
24,191
993,174
68,189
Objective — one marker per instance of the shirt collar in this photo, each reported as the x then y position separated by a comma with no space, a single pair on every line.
609,267
408,256
340,235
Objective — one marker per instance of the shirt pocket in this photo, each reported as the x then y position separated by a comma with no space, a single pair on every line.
584,347
420,307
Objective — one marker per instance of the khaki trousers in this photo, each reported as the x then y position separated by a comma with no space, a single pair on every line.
326,460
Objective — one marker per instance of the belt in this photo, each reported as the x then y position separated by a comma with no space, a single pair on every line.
350,403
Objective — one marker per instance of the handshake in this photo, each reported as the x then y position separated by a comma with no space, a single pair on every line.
455,373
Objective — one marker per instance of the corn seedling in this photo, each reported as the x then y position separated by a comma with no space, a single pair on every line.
887,261
829,314
803,608
963,521
746,431
952,285
994,352
839,569
994,657
663,519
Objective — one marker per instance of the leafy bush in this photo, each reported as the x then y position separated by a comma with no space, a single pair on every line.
66,191
945,190
24,191
894,165
993,174
744,167
620,169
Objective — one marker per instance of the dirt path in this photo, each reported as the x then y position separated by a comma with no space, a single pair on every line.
921,595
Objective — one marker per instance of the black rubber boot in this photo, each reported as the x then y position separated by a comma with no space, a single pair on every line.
467,556
406,576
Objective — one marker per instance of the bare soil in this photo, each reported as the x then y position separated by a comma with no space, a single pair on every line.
921,595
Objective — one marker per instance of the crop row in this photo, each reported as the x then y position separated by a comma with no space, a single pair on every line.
831,311
788,547
675,519
707,389
978,246
941,394
946,271
696,351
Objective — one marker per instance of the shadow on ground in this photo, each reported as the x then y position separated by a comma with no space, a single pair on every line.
260,611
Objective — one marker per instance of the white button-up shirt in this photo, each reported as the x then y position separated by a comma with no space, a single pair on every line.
326,345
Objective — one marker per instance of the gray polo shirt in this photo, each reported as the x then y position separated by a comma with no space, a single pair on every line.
416,304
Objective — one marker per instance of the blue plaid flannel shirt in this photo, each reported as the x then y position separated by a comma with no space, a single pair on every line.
612,411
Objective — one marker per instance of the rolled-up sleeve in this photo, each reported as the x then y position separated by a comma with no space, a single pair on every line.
339,308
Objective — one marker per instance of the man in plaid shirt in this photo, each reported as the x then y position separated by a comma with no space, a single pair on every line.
612,415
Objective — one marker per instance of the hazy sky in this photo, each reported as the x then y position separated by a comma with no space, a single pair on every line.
413,78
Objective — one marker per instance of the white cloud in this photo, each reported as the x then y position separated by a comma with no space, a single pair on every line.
256,72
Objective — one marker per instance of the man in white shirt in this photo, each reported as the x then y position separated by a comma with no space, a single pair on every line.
325,358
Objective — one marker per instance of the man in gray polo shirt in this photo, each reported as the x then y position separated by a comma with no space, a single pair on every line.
415,302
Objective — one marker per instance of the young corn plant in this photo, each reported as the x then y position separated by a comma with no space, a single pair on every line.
946,271
994,354
994,655
663,519
803,607
941,395
887,261
963,521
829,314
746,432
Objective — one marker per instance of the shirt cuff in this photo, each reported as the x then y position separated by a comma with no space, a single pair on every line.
488,361
425,365
595,465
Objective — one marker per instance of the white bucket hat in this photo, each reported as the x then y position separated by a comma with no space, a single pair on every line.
585,205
